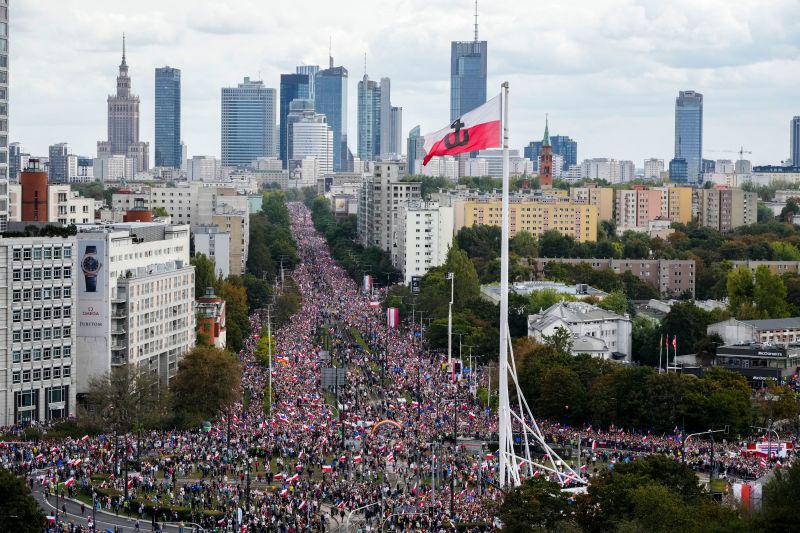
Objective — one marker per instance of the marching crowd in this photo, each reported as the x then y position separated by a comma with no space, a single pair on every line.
375,449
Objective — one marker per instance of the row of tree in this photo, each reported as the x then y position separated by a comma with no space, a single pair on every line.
656,495
585,390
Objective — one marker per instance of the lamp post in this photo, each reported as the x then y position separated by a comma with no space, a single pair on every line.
451,277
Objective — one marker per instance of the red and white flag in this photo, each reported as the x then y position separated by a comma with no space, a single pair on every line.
327,468
477,130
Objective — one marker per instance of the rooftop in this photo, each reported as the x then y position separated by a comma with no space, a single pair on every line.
526,288
775,323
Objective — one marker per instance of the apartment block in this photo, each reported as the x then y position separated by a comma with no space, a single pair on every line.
38,352
669,277
382,195
602,197
726,209
424,233
636,207
579,221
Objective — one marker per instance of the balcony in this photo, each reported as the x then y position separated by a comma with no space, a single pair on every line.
120,314
118,331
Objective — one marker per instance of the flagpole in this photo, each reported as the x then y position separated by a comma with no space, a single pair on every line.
660,351
504,423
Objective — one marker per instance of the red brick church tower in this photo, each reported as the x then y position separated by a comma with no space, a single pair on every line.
546,160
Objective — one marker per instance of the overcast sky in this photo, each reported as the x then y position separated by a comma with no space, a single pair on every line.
607,71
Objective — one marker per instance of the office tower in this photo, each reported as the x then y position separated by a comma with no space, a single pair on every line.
546,160
130,277
390,123
248,123
330,99
57,167
123,123
311,72
467,74
297,110
394,146
689,133
311,137
679,170
37,349
293,87
794,141
415,150
169,152
561,145
4,47
369,119
15,163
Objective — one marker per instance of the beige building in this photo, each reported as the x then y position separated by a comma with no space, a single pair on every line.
579,221
726,209
237,224
602,197
637,207
381,196
64,206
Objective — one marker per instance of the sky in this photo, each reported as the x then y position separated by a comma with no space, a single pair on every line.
606,71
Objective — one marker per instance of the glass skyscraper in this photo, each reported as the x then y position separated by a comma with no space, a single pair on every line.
689,134
562,145
330,99
794,140
369,119
293,87
168,117
467,76
248,123
415,149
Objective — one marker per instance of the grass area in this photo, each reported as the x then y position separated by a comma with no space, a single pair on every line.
266,403
248,396
331,399
359,339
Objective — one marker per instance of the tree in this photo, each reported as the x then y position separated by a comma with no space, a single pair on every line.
552,243
466,285
789,210
205,274
686,321
128,398
479,241
770,293
560,340
740,288
563,396
537,505
616,302
779,503
236,312
19,511
207,383
524,244
645,339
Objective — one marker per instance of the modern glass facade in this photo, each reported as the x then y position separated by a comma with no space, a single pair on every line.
415,149
794,141
369,119
330,99
467,76
248,123
562,145
311,72
168,117
293,87
689,133
679,170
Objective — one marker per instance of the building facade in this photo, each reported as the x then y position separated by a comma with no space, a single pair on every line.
293,87
468,67
57,162
381,196
38,352
311,137
601,197
168,117
423,236
216,245
794,140
653,168
726,209
123,124
248,123
415,149
330,99
4,73
369,119
689,133
135,302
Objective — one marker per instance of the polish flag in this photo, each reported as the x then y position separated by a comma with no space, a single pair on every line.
583,468
476,130
69,482
357,458
489,456
390,457
284,492
293,478
471,415
278,477
302,506
327,468
594,444
85,438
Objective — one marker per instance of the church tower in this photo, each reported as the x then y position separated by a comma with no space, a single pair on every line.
546,160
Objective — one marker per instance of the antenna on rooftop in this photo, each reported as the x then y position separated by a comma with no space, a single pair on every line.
476,21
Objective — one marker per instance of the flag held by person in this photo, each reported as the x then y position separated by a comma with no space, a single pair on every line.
477,130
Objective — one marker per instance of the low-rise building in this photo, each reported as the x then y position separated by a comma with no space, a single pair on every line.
526,288
594,330
760,363
671,277
767,331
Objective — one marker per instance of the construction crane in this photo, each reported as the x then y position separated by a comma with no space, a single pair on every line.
741,151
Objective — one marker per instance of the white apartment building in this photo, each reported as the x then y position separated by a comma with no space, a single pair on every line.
38,352
135,302
517,165
312,137
202,168
627,171
423,235
113,168
64,206
610,170
595,331
216,245
441,167
653,168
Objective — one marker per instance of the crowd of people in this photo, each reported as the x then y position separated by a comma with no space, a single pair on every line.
375,448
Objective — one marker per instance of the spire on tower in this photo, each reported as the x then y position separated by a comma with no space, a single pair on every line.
546,140
365,64
476,21
123,49
330,51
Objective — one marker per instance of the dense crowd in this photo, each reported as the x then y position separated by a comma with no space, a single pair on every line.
323,457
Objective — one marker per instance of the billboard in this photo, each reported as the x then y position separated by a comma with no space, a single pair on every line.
92,289
416,283
392,317
295,168
340,205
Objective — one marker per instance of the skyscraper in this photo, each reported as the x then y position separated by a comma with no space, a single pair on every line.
467,74
311,137
311,72
415,149
330,99
562,145
4,44
689,134
369,119
169,152
248,123
298,109
293,87
57,162
123,123
794,141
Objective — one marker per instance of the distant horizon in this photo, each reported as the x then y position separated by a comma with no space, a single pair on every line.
607,71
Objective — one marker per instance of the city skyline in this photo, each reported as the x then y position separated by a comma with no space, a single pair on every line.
610,88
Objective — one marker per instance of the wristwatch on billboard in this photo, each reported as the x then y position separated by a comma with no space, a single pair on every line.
90,266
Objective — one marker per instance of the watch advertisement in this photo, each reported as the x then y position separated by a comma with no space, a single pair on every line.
92,277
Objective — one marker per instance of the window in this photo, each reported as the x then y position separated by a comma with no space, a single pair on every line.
57,273
17,276
37,253
56,332
26,253
67,312
48,272
56,352
26,335
26,376
57,292
46,353
66,371
15,357
37,375
17,296
67,351
47,293
67,292
48,253
26,294
37,274
57,372
37,354
48,313
68,249
16,315
46,333
26,274
56,252
26,314
56,312
67,330
16,335
37,334
46,373
37,294
67,272
15,377
17,255
37,314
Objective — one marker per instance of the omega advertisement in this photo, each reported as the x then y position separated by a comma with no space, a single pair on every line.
93,301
